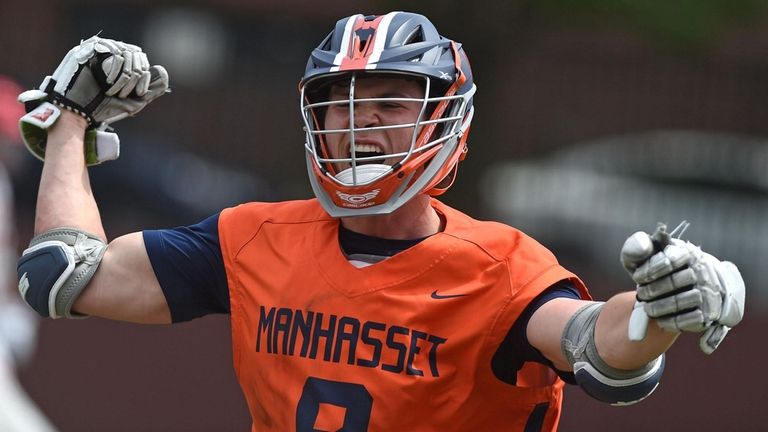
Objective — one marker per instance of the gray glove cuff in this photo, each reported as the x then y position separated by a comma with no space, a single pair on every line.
99,145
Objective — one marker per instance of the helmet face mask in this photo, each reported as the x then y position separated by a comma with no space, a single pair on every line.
378,134
353,130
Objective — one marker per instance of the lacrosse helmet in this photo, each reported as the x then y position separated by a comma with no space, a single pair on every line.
398,44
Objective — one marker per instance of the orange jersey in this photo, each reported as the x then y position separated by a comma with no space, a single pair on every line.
405,344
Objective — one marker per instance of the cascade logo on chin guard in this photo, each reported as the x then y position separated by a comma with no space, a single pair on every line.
358,200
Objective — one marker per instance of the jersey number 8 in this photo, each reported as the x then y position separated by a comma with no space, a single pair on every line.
353,397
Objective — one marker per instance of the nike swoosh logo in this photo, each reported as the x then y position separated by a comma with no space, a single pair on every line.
437,296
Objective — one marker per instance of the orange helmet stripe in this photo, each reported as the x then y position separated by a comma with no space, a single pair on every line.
359,56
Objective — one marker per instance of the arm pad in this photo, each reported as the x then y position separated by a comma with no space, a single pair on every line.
594,376
619,392
56,268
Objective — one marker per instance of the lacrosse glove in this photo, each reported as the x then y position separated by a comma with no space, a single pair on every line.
102,80
683,288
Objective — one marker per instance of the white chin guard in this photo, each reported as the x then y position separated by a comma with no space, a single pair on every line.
362,174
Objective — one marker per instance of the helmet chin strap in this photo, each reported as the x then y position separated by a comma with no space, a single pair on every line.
362,174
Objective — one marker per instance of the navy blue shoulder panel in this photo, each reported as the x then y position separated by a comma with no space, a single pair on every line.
188,264
515,350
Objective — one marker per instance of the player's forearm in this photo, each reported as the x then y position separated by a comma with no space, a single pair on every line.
65,197
612,341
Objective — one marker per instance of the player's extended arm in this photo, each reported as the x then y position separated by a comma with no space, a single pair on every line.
124,287
546,327
606,363
680,288
68,269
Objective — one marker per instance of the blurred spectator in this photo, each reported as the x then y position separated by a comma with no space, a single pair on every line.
18,327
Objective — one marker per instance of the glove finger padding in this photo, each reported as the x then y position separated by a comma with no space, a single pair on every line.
124,80
691,321
707,285
139,65
116,108
674,256
143,85
667,285
673,305
636,250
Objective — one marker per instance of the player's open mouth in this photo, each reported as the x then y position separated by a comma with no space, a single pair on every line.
364,151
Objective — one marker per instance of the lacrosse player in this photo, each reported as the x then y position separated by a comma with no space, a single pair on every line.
372,306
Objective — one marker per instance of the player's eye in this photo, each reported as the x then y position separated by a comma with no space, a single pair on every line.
340,105
390,104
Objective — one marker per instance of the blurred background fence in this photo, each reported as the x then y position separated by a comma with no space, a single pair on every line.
594,119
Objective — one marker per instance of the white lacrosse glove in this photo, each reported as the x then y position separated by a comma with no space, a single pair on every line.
102,80
682,287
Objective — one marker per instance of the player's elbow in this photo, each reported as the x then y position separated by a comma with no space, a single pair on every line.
620,390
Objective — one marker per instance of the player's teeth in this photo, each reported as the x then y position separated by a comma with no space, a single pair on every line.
366,148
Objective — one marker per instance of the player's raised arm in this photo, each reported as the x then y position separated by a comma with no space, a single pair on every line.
616,348
68,270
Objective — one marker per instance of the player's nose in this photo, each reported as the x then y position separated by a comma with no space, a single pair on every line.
366,115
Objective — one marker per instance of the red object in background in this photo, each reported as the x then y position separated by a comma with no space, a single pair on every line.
10,109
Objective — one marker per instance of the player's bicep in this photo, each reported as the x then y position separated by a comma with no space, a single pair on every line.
546,326
125,287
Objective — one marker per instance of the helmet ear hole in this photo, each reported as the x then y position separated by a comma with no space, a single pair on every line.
326,43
